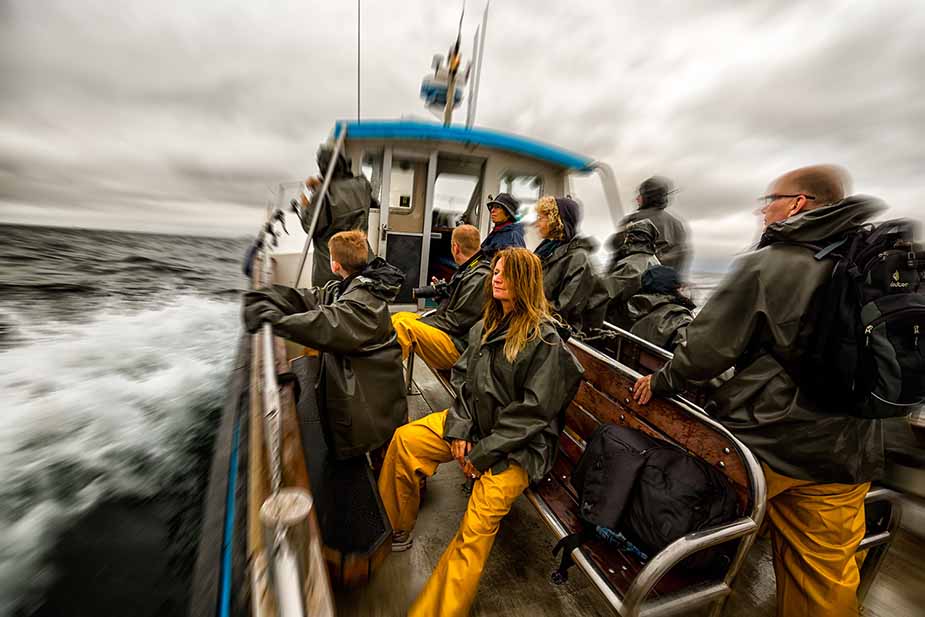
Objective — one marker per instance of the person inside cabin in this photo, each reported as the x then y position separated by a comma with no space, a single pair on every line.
507,230
440,336
360,389
633,252
672,247
818,465
511,384
568,273
660,312
346,207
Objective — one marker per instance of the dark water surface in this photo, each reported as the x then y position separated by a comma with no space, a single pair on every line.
114,352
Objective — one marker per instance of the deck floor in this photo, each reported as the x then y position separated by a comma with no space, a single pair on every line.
516,578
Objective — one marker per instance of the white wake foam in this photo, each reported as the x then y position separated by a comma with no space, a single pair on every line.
99,409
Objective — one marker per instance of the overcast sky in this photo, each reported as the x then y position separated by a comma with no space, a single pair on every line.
139,115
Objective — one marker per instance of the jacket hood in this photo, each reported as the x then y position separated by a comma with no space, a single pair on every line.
381,278
642,304
570,215
826,222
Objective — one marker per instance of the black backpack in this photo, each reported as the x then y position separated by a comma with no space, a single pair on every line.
865,356
649,490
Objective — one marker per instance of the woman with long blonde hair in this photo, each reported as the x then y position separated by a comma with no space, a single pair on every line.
511,384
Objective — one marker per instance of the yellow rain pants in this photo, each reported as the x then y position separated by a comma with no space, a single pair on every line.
417,449
433,344
815,531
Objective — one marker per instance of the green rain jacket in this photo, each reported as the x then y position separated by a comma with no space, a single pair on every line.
634,253
360,389
659,319
512,411
671,247
457,314
755,318
345,208
569,281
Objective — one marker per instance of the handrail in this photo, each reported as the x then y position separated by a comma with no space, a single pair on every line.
286,578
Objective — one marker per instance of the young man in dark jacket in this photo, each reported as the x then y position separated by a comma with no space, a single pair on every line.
360,388
660,312
818,465
508,231
345,208
440,337
672,247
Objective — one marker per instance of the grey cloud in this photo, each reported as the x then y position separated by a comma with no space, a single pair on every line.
144,112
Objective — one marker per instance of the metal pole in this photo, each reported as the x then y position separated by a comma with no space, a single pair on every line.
470,110
358,60
450,99
474,99
319,202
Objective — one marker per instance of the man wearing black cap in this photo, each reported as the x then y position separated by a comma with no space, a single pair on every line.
508,231
671,247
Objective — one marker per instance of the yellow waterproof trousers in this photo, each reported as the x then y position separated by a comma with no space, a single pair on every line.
416,450
815,531
432,344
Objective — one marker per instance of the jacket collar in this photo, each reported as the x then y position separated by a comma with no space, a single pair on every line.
827,222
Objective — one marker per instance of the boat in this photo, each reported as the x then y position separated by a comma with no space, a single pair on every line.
266,546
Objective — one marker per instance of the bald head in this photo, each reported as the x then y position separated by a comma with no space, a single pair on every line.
465,243
827,183
804,189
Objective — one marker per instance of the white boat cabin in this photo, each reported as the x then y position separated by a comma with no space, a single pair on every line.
429,178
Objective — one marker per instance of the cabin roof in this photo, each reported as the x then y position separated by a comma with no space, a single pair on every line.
401,130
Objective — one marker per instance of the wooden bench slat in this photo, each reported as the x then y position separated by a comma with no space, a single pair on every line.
697,437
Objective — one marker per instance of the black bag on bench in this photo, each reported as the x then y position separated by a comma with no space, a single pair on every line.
651,491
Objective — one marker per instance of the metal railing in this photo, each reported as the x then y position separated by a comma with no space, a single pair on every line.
291,551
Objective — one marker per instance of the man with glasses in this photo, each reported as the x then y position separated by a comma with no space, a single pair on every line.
818,466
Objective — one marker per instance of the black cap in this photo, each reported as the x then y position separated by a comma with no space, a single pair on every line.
506,202
661,279
655,191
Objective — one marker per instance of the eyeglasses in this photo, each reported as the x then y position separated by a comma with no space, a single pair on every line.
766,200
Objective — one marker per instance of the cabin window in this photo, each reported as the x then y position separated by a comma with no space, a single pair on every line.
401,186
371,167
452,196
527,188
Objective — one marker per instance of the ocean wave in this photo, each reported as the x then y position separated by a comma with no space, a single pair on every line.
50,287
100,409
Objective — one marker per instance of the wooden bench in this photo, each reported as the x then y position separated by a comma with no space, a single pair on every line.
657,586
652,588
883,506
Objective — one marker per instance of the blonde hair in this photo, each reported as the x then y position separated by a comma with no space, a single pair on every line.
349,249
547,205
523,274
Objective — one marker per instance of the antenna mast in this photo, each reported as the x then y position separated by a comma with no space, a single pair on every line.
452,64
476,80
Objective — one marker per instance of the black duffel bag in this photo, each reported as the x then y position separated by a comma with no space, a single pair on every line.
650,491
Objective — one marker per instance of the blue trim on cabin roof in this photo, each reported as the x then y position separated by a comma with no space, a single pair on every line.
409,130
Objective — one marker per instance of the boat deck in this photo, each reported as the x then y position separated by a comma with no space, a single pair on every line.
516,578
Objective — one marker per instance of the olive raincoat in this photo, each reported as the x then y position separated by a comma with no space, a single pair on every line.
512,410
659,318
634,253
360,389
457,314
